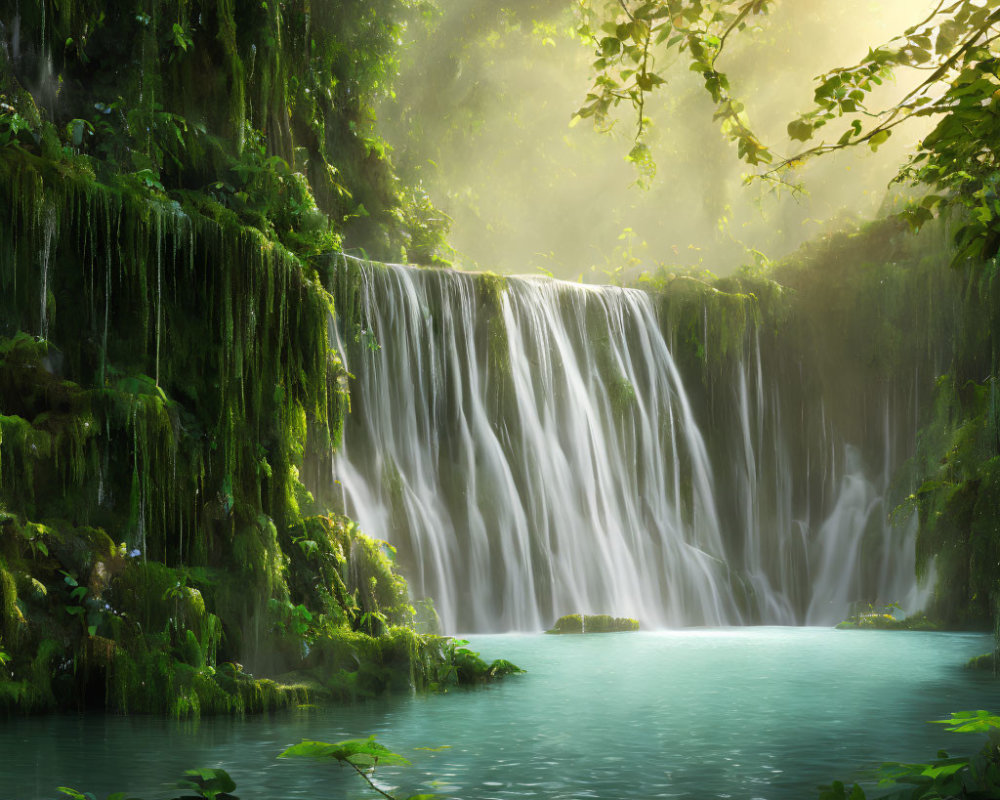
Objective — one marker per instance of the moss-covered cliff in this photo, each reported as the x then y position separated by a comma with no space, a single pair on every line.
168,171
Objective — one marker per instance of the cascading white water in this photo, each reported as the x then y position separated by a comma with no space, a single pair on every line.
806,561
49,224
532,451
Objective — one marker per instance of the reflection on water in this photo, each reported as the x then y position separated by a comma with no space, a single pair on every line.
743,713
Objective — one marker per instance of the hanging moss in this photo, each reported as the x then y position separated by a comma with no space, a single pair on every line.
263,110
490,289
170,392
852,333
175,405
12,620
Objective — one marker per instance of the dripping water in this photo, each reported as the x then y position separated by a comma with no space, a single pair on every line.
48,236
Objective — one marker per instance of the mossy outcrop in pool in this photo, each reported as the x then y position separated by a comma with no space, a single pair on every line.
596,623
883,618
987,661
887,622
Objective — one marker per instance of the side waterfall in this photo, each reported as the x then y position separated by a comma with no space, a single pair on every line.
530,448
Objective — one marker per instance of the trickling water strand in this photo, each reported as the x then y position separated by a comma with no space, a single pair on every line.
535,453
48,235
159,292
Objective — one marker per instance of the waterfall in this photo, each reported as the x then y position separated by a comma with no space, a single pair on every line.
531,450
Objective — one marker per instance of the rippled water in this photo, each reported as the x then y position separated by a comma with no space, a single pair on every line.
743,713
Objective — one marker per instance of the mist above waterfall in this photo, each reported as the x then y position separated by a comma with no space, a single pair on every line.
481,119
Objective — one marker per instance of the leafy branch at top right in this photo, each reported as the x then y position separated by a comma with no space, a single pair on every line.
952,49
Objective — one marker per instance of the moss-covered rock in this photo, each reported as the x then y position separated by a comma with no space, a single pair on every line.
987,661
597,623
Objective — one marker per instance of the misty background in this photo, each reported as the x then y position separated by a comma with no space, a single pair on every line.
482,120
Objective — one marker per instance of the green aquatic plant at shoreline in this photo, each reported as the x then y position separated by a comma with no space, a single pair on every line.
976,776
362,755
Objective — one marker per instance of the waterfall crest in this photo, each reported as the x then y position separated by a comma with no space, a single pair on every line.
530,448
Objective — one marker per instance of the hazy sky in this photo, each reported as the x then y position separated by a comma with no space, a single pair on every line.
482,118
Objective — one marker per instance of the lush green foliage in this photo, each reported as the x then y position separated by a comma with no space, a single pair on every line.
168,387
976,776
363,755
953,50
262,109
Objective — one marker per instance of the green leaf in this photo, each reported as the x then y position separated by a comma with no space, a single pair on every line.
944,770
917,216
854,130
361,752
209,783
878,139
970,722
837,791
75,794
800,129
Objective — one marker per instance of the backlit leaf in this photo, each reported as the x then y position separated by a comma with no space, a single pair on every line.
361,752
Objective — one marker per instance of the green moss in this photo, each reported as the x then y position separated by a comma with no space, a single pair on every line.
888,622
169,391
570,623
983,662
11,619
706,325
41,694
622,394
597,623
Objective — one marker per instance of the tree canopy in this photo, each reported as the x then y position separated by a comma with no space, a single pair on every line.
952,49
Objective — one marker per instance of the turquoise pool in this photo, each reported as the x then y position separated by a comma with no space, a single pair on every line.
698,713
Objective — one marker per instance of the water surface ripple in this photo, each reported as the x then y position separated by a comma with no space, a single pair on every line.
705,713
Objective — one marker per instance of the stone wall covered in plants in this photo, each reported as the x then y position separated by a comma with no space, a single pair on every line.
168,171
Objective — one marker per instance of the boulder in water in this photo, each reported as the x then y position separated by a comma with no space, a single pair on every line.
597,623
